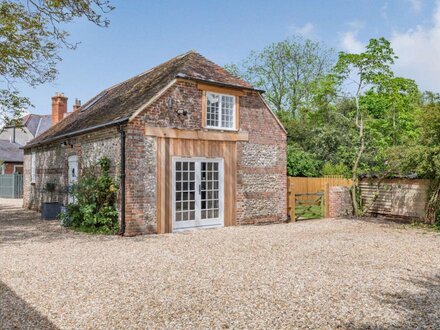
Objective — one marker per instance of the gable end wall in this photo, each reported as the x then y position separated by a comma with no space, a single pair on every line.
261,166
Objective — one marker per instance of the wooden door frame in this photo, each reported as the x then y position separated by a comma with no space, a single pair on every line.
166,148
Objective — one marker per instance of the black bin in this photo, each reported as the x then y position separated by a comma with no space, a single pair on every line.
50,211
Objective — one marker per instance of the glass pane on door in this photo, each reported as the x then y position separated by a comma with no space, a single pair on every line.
209,192
185,191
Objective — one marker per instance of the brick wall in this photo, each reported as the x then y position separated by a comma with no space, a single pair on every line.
185,95
8,168
140,180
339,202
52,165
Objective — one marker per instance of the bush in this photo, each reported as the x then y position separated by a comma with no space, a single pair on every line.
336,169
94,209
301,163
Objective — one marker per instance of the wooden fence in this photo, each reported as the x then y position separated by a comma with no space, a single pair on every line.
301,190
401,198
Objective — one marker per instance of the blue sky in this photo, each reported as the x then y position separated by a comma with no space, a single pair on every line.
145,33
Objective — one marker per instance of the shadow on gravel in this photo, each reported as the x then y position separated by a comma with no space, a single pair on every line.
18,225
15,313
420,310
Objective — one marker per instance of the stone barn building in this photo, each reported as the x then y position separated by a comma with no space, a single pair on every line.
193,146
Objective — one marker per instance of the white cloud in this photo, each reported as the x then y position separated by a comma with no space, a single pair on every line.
350,43
419,53
416,5
306,30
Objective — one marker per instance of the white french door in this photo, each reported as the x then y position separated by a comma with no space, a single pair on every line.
197,193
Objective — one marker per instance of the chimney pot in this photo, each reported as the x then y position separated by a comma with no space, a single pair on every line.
59,107
76,105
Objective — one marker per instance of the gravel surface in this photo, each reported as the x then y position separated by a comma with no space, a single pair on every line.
353,274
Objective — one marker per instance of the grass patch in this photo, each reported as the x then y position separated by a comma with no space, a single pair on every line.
308,212
421,225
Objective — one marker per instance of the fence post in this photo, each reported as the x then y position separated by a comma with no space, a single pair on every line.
291,201
292,206
326,200
13,186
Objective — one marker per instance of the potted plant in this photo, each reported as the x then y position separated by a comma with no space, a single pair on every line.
50,210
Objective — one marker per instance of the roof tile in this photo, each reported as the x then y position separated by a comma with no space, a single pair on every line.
124,99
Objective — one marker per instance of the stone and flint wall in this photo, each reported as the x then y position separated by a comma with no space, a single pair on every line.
261,194
339,202
52,166
261,177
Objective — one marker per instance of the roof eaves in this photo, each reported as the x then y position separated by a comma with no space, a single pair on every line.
78,132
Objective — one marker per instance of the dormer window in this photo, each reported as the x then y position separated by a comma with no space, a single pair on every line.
220,111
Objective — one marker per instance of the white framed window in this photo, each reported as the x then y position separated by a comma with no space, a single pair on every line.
220,111
33,167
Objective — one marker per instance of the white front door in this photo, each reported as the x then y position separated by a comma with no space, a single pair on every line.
72,176
197,193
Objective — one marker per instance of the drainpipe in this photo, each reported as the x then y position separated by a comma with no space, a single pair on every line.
122,227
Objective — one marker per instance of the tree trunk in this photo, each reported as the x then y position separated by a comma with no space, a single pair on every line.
354,178
433,205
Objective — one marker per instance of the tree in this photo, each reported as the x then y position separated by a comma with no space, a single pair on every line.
393,105
32,34
289,71
422,155
365,70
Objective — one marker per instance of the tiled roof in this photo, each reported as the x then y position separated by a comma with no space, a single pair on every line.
10,152
37,124
123,100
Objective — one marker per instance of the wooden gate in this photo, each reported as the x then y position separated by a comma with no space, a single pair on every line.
307,197
308,206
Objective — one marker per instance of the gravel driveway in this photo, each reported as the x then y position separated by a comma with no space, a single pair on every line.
311,274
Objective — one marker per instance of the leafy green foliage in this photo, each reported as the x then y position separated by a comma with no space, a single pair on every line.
422,155
336,169
290,71
301,163
94,209
31,38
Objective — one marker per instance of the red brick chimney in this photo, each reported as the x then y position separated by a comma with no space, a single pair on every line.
59,107
76,105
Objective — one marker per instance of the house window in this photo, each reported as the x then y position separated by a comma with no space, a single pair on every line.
220,111
33,171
